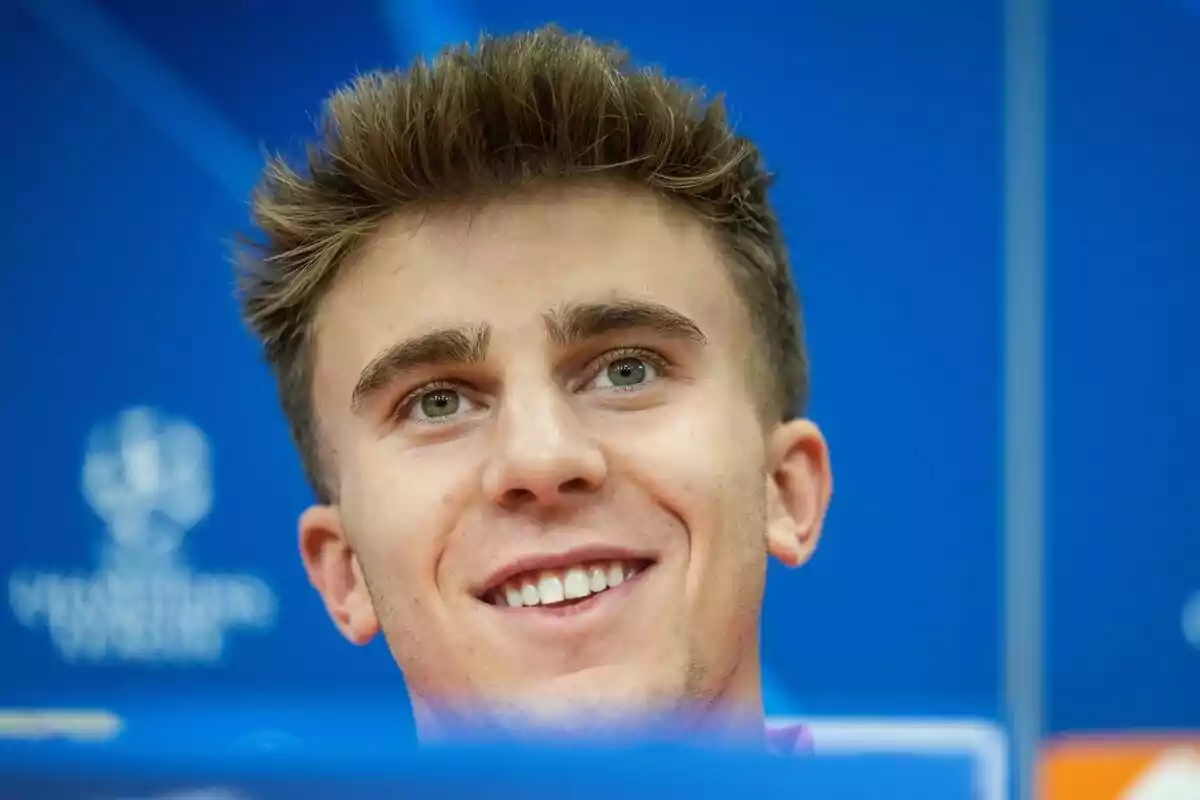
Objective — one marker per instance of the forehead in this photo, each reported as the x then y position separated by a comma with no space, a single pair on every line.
506,264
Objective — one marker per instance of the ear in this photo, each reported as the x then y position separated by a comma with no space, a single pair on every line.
334,571
799,487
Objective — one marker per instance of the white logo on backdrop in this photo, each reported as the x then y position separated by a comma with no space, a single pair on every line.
148,477
1191,620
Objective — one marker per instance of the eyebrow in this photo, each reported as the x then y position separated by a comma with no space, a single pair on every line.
568,325
445,346
578,322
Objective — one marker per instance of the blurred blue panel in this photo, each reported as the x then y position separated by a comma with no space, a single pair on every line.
651,773
1124,481
426,27
175,109
265,65
126,298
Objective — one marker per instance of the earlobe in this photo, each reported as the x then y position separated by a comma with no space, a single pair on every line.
334,571
799,488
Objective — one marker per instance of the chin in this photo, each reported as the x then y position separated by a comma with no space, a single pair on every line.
598,708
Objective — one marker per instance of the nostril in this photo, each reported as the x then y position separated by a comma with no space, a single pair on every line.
573,485
518,496
550,492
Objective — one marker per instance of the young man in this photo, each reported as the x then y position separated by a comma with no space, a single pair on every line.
535,334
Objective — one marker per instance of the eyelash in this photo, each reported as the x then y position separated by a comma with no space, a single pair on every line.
660,364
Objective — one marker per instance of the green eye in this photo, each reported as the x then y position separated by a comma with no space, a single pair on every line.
627,372
439,403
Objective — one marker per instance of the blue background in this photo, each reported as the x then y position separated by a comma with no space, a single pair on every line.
133,138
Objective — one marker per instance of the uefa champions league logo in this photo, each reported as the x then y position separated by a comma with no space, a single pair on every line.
148,477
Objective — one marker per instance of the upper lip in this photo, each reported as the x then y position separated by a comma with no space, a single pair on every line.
566,558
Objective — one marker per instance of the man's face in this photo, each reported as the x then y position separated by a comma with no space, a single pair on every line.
555,490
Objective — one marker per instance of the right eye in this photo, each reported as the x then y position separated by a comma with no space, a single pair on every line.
435,405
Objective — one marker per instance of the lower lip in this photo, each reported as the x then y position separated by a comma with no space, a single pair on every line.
590,603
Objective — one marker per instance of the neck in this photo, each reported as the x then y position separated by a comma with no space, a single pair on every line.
733,717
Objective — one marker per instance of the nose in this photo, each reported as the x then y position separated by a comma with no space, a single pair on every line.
543,457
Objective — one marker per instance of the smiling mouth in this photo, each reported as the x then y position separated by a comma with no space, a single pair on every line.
566,587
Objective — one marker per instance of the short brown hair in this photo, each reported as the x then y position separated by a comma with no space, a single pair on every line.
535,107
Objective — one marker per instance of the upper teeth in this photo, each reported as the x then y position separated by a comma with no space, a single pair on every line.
555,586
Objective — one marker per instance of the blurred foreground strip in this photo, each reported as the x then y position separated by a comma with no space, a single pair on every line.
32,723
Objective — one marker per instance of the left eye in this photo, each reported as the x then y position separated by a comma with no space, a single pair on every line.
436,405
627,372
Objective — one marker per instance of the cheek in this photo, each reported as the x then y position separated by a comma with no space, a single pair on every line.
400,514
407,517
706,467
702,461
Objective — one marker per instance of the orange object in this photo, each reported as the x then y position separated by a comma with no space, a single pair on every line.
1121,768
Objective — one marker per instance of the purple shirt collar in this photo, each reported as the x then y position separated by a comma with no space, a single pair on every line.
788,739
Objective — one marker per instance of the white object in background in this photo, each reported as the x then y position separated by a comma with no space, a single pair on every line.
1191,620
983,742
1175,776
